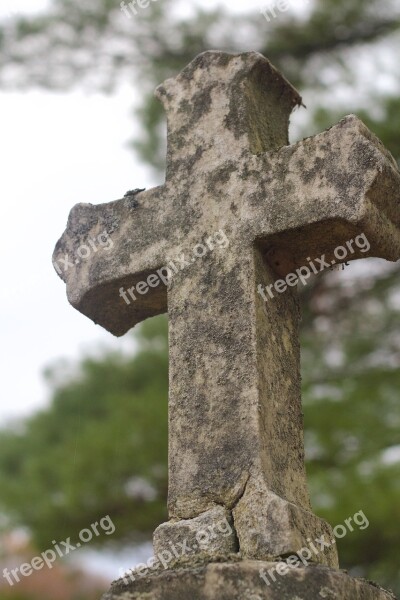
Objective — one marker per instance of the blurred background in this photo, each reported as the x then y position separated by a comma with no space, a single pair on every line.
83,416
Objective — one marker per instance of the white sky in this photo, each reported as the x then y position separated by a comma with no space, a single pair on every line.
56,150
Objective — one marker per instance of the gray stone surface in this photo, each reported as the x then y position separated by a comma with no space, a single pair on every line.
236,426
242,581
212,532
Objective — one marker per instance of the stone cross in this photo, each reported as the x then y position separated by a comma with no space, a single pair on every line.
235,415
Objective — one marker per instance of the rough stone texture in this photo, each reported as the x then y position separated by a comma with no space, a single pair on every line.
211,532
285,527
242,581
236,428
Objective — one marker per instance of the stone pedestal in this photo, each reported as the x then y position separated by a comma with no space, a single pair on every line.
242,581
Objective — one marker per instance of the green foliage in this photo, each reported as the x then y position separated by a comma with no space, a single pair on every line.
88,455
351,378
16,596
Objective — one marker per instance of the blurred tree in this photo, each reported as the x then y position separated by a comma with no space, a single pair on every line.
100,449
351,382
343,56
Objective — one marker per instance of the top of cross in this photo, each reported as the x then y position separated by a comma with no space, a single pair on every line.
243,96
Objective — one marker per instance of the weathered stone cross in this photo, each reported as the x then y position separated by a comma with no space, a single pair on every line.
236,428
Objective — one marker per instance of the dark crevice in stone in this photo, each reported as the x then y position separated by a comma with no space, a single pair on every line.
232,508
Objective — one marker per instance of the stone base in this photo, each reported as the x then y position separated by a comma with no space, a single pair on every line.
242,581
262,526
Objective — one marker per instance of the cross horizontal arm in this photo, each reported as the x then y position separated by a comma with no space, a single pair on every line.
310,196
111,246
